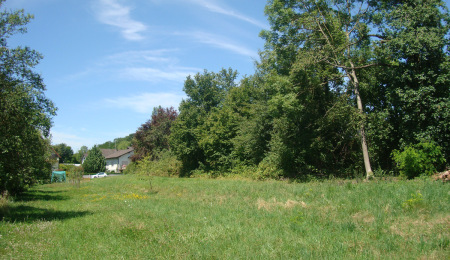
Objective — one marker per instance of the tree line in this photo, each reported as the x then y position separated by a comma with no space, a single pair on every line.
343,88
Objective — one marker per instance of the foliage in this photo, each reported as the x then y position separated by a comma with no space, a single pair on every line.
65,152
152,137
25,112
410,100
80,154
120,143
415,201
69,167
318,44
75,175
425,158
190,139
95,162
166,165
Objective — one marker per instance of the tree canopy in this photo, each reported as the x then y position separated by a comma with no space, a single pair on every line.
65,152
153,136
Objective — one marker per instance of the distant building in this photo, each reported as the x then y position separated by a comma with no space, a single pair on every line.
117,160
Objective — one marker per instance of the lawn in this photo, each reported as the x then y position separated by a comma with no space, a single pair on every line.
188,218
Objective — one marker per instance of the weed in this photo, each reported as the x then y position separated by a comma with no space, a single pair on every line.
416,200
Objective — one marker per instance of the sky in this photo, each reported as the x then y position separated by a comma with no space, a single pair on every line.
108,63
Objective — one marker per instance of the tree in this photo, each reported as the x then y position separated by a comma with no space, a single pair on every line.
79,155
335,39
412,98
205,92
153,136
65,152
120,143
95,162
25,112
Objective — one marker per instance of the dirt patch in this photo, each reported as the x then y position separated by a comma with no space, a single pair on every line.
420,227
363,217
273,203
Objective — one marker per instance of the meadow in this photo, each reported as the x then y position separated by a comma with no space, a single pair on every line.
125,217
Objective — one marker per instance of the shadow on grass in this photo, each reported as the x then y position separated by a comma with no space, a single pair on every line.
41,195
27,214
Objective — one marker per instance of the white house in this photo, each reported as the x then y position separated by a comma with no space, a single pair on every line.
117,160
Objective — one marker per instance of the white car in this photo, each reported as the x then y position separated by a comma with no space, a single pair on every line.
99,175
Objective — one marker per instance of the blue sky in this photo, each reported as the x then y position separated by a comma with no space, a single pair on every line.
107,63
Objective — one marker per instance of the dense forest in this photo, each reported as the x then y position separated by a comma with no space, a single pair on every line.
343,88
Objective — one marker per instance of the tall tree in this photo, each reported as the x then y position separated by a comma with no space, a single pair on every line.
205,92
332,36
25,112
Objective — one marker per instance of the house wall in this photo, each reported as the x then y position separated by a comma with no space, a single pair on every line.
112,165
116,164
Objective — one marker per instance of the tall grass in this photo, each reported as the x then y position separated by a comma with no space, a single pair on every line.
188,218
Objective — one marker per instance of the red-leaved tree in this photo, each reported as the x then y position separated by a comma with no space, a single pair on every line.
152,137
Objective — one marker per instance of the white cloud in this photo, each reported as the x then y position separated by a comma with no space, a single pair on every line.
147,65
177,74
112,13
133,57
72,140
213,7
145,102
222,43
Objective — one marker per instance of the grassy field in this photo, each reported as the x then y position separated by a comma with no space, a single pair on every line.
122,217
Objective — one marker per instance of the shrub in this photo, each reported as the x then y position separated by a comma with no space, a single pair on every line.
75,175
166,165
424,158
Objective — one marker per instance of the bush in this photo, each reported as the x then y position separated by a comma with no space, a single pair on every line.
166,165
424,158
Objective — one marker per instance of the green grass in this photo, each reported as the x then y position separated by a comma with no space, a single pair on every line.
120,217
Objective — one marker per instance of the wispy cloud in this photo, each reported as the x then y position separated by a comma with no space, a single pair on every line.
154,66
221,42
214,7
145,56
112,13
149,65
177,74
145,102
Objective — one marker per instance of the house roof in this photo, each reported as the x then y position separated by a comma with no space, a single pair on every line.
112,153
107,152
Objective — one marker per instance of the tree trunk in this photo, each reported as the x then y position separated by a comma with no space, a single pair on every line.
365,150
